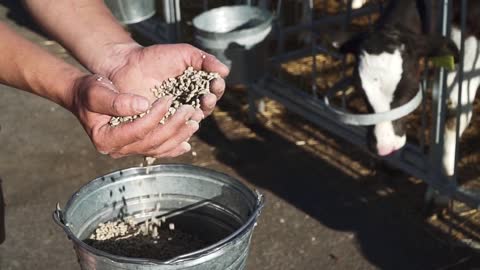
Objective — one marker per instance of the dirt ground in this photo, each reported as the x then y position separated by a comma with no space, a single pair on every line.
328,205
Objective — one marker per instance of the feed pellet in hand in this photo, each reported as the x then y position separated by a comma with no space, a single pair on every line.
186,89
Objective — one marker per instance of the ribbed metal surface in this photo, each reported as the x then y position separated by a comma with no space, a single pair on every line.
217,199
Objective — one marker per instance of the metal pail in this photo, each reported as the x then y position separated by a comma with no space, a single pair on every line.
128,11
236,36
215,202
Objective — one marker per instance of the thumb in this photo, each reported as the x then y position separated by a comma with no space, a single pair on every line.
103,100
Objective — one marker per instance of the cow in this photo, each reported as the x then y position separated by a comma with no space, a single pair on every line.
388,71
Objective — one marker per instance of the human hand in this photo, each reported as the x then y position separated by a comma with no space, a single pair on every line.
94,99
135,69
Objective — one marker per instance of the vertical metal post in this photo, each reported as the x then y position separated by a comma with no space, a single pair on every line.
346,23
439,109
205,5
314,49
172,16
424,87
278,25
461,74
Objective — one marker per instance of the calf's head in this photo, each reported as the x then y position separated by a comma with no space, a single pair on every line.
388,73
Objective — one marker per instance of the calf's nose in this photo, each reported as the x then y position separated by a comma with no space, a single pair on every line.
385,150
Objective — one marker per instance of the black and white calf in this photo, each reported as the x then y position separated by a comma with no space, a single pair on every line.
388,68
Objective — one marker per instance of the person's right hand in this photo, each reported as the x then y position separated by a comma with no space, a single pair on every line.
94,100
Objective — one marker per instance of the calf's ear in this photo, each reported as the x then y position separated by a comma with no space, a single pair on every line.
433,46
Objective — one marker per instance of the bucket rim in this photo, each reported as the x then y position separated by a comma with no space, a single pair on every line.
58,218
269,17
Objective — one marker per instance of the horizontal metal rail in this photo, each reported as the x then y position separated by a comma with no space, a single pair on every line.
410,159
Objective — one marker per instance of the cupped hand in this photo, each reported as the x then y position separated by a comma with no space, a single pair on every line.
95,99
135,69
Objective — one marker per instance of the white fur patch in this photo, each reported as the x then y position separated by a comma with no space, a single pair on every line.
470,86
380,75
387,141
356,4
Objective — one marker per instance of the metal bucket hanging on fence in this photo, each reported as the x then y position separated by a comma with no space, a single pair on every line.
128,12
236,36
212,203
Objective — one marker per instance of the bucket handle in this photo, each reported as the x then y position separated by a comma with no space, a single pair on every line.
59,219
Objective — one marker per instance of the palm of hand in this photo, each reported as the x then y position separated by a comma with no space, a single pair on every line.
147,67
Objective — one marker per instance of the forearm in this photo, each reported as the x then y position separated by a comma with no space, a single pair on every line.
84,27
26,66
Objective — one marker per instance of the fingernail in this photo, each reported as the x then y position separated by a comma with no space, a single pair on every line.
141,104
192,123
200,112
186,146
185,109
169,98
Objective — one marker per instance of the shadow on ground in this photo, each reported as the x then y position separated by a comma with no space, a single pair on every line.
390,229
18,14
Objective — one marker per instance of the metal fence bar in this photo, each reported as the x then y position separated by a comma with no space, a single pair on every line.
439,96
461,73
314,50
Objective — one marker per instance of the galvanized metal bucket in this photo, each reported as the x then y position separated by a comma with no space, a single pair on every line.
129,12
216,201
236,36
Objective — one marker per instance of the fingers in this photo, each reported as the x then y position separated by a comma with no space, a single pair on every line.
198,115
207,103
217,87
108,139
177,144
199,59
211,64
183,148
166,137
176,130
103,100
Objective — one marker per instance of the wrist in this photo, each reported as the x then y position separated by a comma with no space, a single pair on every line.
116,56
73,80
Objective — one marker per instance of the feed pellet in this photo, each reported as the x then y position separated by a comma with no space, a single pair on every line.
186,89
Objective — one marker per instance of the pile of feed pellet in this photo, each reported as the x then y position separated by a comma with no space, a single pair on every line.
152,239
186,89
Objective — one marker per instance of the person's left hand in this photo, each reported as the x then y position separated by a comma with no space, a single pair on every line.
135,69
94,100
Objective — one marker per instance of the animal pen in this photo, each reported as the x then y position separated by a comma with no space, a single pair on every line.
300,35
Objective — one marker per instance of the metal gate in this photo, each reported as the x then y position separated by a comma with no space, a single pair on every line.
414,158
422,159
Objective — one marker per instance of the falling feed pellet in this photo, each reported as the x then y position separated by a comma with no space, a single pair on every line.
149,162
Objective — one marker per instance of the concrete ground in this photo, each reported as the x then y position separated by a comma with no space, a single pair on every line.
318,215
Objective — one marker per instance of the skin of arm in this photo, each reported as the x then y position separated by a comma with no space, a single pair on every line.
93,100
99,42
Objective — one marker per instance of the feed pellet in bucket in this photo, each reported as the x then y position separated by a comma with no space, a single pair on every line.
147,239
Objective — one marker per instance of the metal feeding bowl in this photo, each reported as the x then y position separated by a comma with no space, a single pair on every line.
368,119
236,35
